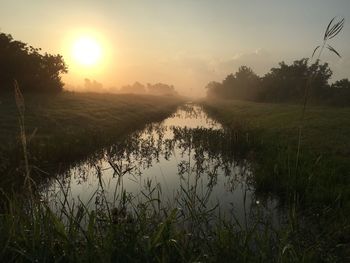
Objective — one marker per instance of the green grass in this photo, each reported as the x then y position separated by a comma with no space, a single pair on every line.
274,127
69,126
327,129
319,185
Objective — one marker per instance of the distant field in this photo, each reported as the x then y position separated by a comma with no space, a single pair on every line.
323,173
69,126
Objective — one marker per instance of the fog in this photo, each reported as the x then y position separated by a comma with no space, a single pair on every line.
158,89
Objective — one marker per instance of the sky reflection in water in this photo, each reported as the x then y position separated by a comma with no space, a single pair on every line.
188,154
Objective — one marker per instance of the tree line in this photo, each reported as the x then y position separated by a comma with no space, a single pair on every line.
160,89
33,71
284,84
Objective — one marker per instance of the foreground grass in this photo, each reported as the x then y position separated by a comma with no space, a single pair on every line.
65,127
130,230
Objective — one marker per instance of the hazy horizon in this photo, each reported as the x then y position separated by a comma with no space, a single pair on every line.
182,43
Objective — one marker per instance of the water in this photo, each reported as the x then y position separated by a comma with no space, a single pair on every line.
187,157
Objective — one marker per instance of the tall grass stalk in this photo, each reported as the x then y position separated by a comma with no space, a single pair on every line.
332,30
23,138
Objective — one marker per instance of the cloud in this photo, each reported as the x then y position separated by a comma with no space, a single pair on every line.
259,60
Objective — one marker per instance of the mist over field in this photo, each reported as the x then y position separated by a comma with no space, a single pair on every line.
158,89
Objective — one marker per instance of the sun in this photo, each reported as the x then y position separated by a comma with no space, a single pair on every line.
86,51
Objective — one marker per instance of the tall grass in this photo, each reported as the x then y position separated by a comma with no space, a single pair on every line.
128,230
332,30
23,138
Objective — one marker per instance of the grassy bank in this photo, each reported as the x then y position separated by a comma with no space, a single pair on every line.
320,184
323,172
66,127
326,132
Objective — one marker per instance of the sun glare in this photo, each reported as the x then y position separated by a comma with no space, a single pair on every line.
86,51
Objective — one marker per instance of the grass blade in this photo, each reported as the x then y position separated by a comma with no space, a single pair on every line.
333,50
313,53
327,29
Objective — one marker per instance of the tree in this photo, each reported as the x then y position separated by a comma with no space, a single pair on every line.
340,93
92,85
287,83
32,70
161,89
341,84
320,75
244,84
137,88
214,89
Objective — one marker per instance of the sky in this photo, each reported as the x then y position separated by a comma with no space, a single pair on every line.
186,43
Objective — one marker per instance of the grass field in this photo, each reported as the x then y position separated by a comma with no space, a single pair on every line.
320,183
326,132
323,172
71,125
322,176
66,127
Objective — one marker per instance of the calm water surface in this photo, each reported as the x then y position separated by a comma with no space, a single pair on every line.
186,156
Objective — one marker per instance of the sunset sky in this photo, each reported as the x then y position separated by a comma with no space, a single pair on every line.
184,43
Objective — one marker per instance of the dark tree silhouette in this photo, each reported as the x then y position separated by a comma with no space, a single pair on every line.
340,93
244,84
285,83
341,84
32,70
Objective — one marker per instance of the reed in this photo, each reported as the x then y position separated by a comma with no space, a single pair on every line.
333,29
